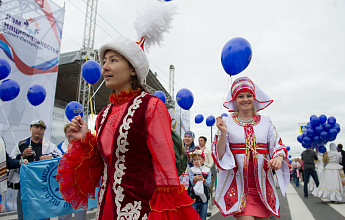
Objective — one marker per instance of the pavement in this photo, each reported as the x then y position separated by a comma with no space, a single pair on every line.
293,206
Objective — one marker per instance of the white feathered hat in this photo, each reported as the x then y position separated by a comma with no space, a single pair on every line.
244,84
150,25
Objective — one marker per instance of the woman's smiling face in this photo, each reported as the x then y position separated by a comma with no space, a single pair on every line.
245,101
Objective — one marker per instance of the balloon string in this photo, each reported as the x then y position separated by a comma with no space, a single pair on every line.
221,104
96,91
8,124
90,101
254,151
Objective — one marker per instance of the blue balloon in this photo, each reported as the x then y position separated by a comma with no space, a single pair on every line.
322,149
161,96
337,127
326,127
9,90
36,95
331,120
309,125
91,71
324,136
318,129
5,69
74,109
236,55
310,132
315,121
304,133
307,140
199,118
290,161
332,138
332,132
323,119
210,120
185,98
300,138
288,148
306,146
224,115
313,116
289,156
316,140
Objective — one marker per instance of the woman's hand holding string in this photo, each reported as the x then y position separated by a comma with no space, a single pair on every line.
78,127
222,138
275,163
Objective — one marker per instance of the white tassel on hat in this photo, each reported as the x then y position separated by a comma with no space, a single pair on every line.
153,21
150,25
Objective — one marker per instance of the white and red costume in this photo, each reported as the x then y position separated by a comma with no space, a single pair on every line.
245,184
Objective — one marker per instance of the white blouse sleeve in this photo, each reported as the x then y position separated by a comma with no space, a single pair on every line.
228,161
277,148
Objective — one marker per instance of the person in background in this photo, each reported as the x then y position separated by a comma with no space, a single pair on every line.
189,147
301,168
6,163
34,148
63,147
308,157
319,167
200,172
295,171
210,164
340,149
333,179
207,151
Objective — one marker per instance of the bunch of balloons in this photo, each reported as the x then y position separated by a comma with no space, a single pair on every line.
320,130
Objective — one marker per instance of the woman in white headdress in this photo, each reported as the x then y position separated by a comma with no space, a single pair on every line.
246,149
332,181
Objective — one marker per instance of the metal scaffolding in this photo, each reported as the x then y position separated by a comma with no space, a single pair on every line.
87,52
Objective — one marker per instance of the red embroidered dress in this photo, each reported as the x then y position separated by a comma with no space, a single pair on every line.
136,159
245,186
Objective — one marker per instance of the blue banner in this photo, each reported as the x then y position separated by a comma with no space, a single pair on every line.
40,193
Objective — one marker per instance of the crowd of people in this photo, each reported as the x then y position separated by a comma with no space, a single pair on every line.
326,170
34,148
133,154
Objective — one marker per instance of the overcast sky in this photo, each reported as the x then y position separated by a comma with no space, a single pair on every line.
298,53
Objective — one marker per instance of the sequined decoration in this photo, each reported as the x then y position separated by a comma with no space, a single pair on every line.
271,198
231,197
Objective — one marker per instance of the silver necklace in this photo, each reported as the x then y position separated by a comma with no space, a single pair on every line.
249,121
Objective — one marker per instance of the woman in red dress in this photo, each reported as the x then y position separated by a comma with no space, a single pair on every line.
132,151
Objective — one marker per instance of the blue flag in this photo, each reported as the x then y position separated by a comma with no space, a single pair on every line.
40,193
